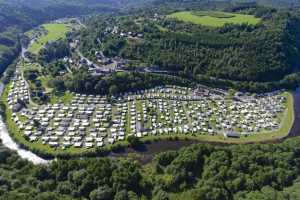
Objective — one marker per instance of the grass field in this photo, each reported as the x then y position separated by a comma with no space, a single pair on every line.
54,32
214,19
29,33
64,98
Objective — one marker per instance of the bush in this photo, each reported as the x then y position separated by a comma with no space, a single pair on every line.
134,141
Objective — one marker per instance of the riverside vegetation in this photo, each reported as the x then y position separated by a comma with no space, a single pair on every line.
258,171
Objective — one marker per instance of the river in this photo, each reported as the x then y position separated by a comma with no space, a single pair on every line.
9,143
295,130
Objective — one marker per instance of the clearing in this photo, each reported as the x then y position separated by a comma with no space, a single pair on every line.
214,18
54,31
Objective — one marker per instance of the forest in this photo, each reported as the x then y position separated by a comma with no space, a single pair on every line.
261,53
200,171
82,82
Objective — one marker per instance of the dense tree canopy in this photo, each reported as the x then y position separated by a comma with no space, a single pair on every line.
53,51
264,52
83,82
239,172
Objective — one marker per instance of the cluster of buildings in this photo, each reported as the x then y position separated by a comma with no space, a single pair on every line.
183,110
18,94
126,34
94,120
65,126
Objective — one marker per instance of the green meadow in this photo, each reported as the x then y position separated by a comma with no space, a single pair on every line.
54,32
214,18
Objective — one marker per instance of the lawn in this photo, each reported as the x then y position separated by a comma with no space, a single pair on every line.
54,32
213,18
30,33
64,98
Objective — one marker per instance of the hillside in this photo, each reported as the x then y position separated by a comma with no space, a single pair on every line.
25,14
20,16
264,52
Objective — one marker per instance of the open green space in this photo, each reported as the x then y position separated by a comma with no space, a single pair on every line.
54,32
214,18
55,97
294,189
162,29
64,98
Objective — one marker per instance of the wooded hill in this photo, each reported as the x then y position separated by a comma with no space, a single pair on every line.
264,52
18,16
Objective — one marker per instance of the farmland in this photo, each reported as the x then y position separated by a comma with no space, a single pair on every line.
52,32
214,19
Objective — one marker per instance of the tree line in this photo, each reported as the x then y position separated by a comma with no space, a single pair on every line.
200,171
82,81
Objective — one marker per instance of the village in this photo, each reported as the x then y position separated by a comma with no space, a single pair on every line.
100,64
95,121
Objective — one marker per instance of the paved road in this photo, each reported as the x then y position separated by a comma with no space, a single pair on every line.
24,50
89,62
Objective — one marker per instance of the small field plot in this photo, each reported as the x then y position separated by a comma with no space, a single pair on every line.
214,19
53,32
